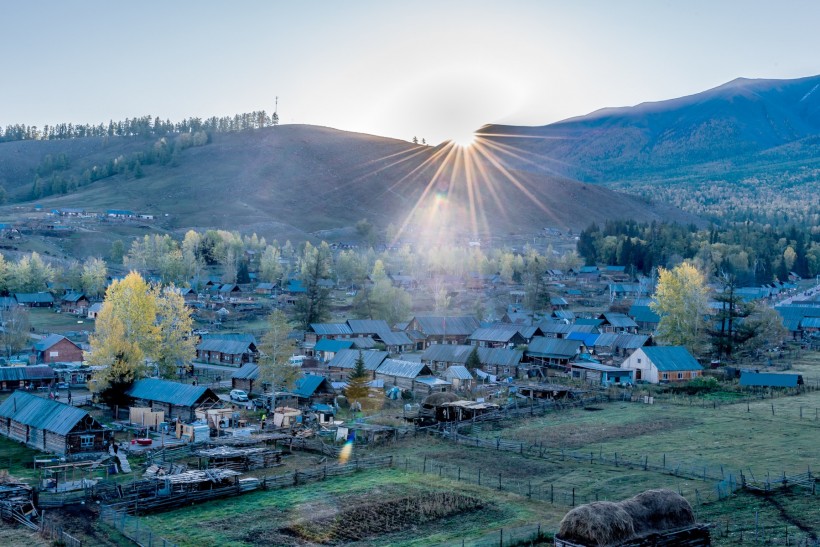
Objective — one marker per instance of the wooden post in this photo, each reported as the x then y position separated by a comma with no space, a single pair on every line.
573,496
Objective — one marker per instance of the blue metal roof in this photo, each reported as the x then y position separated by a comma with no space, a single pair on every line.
671,358
307,385
768,379
326,344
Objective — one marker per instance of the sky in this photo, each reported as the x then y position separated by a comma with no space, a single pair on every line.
430,69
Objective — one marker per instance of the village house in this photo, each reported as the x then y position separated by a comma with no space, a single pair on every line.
655,364
120,213
444,330
345,360
617,322
460,376
497,336
496,361
599,374
406,375
644,316
395,342
52,426
553,352
35,299
74,302
313,389
246,378
587,274
226,351
94,310
331,331
552,329
326,348
35,376
265,288
174,399
367,327
55,348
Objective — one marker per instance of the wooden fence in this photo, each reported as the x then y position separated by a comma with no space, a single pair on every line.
59,536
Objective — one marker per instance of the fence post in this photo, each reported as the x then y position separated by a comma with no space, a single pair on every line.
573,496
479,476
552,493
459,473
501,538
499,481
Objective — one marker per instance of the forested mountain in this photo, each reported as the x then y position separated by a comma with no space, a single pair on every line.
748,150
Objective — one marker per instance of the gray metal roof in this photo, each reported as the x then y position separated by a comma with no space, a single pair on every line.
363,342
440,325
247,372
403,369
459,372
447,353
553,347
48,341
229,347
15,374
498,333
166,391
619,320
368,326
390,338
331,329
34,298
630,341
346,358
41,413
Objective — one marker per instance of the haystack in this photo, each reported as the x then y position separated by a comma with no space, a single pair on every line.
658,510
437,399
600,523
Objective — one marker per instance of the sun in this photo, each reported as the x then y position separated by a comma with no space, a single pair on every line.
463,139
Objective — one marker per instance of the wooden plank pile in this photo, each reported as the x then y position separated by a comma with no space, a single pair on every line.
241,459
17,503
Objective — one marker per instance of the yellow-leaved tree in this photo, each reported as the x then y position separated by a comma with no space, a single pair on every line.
138,324
681,301
275,352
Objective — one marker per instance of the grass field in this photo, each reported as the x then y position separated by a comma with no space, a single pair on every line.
698,435
344,511
48,321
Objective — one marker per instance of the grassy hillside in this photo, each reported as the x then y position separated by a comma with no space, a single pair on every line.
297,182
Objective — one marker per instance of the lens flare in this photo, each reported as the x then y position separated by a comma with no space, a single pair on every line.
347,451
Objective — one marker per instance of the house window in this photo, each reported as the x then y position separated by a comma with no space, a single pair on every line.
86,441
639,359
53,353
680,376
665,376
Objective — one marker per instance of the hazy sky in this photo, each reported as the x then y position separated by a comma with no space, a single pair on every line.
396,68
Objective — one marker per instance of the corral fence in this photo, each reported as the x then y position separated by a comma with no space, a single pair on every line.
741,527
59,536
132,528
142,496
725,481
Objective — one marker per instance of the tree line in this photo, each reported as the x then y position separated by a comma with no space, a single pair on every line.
753,254
141,126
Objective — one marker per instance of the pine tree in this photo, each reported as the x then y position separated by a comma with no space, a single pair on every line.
473,360
357,389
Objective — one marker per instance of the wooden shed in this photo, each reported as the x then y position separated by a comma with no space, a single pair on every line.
175,399
51,426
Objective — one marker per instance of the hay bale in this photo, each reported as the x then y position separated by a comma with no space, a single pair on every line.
600,523
439,398
658,511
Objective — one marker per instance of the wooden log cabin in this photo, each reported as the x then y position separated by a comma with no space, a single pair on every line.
52,426
175,399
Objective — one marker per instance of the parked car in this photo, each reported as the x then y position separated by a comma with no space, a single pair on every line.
239,395
63,385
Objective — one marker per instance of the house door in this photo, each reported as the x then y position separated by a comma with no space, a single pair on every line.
637,374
